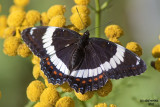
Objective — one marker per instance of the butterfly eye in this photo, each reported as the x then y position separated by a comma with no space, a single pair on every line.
86,33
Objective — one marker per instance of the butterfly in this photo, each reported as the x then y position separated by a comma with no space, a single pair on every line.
85,63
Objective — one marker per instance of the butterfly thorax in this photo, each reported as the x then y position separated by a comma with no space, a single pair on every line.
78,54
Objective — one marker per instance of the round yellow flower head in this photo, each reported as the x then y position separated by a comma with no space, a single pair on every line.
16,18
84,97
65,102
134,47
50,84
101,105
56,10
34,90
32,17
58,21
21,3
23,50
3,21
50,96
156,51
42,104
105,90
10,31
15,8
2,29
113,31
115,40
36,71
112,105
157,64
82,2
77,22
35,59
44,19
10,46
81,9
66,88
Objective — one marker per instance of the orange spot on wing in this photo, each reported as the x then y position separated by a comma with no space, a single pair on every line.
101,76
96,79
51,67
55,72
83,82
60,74
90,80
48,63
77,79
47,59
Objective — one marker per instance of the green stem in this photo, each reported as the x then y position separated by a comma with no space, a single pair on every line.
97,18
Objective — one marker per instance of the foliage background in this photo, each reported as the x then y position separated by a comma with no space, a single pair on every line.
140,22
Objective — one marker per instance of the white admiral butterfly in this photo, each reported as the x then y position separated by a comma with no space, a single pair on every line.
85,63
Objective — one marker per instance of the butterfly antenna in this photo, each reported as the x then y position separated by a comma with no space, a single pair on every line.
80,16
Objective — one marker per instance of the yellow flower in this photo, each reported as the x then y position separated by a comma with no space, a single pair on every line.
81,9
115,40
42,104
44,19
156,51
35,59
26,23
157,64
2,29
66,88
112,105
113,31
105,90
3,21
65,102
10,31
58,21
16,18
32,17
36,71
34,90
56,10
50,84
23,50
21,3
82,2
15,8
50,96
78,23
11,45
134,47
84,97
101,105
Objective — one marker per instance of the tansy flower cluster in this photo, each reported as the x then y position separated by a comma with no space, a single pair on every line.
156,54
45,94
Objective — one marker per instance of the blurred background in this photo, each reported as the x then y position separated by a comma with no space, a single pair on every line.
140,21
